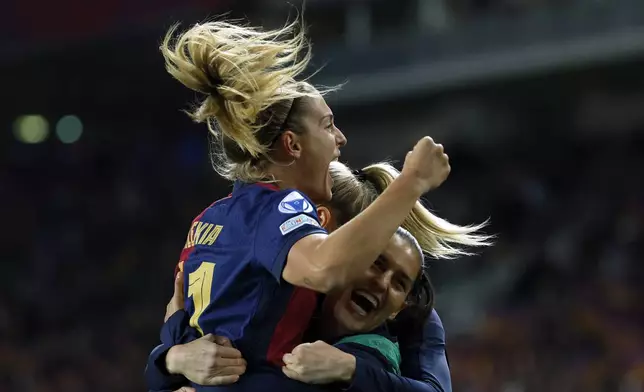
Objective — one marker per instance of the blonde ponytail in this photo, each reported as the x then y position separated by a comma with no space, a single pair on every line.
436,236
248,76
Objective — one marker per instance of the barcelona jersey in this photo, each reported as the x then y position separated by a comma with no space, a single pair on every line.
232,264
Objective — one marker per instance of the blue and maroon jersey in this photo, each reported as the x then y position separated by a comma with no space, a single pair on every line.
233,261
424,361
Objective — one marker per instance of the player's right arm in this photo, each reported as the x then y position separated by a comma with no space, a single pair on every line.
186,356
325,262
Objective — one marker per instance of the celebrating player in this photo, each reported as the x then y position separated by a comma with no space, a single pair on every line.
423,350
254,261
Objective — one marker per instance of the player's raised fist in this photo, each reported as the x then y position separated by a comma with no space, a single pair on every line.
426,165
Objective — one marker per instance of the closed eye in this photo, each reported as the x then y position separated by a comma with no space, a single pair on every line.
403,284
380,264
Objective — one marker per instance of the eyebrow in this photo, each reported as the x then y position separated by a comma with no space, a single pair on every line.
325,117
408,279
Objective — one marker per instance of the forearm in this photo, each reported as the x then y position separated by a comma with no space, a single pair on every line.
336,260
430,368
156,374
175,331
175,360
369,378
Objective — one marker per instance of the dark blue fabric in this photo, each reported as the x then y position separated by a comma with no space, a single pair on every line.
424,369
174,331
238,271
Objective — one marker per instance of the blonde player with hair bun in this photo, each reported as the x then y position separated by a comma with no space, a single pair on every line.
354,190
252,97
254,262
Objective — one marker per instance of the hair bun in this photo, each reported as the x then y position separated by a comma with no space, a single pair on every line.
359,174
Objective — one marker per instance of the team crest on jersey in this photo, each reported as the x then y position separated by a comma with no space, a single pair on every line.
294,203
297,221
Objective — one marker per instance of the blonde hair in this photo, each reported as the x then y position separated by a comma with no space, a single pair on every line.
352,193
248,76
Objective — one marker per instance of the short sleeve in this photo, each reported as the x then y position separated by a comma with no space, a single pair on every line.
287,217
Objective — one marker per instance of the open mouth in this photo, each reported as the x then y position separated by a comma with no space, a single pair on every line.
364,302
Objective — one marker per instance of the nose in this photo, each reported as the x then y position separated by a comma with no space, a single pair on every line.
383,280
340,139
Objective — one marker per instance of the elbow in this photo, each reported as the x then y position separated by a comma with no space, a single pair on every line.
328,279
309,265
314,277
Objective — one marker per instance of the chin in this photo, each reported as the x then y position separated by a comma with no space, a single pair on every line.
328,188
350,325
328,194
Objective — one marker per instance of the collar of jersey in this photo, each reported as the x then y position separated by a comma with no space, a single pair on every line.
239,185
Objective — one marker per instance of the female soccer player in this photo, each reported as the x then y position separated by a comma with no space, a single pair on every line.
423,350
254,261
364,357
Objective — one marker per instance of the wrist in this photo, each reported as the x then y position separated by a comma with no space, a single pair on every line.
348,368
411,184
173,360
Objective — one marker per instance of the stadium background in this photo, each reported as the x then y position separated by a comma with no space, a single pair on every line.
540,104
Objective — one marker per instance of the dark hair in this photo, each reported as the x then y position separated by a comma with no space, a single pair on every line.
409,323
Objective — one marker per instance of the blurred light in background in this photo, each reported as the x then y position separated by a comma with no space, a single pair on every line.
69,129
31,129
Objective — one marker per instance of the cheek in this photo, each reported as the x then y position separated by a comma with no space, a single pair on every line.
396,302
333,142
325,143
318,156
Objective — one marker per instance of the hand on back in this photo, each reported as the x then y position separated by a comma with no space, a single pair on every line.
209,360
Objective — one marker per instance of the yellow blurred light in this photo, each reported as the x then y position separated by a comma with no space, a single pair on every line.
69,129
31,129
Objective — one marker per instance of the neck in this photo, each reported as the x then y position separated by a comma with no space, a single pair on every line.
328,328
283,176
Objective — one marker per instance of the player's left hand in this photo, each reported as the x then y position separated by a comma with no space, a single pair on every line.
319,363
176,302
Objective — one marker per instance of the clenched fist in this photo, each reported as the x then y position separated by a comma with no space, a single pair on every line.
426,165
319,363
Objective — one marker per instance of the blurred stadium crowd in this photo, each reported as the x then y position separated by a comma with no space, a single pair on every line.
93,229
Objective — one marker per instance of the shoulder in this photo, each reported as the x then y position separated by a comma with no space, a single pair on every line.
434,318
289,209
378,345
289,202
271,198
434,326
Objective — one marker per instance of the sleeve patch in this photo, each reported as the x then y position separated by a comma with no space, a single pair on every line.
296,222
294,203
